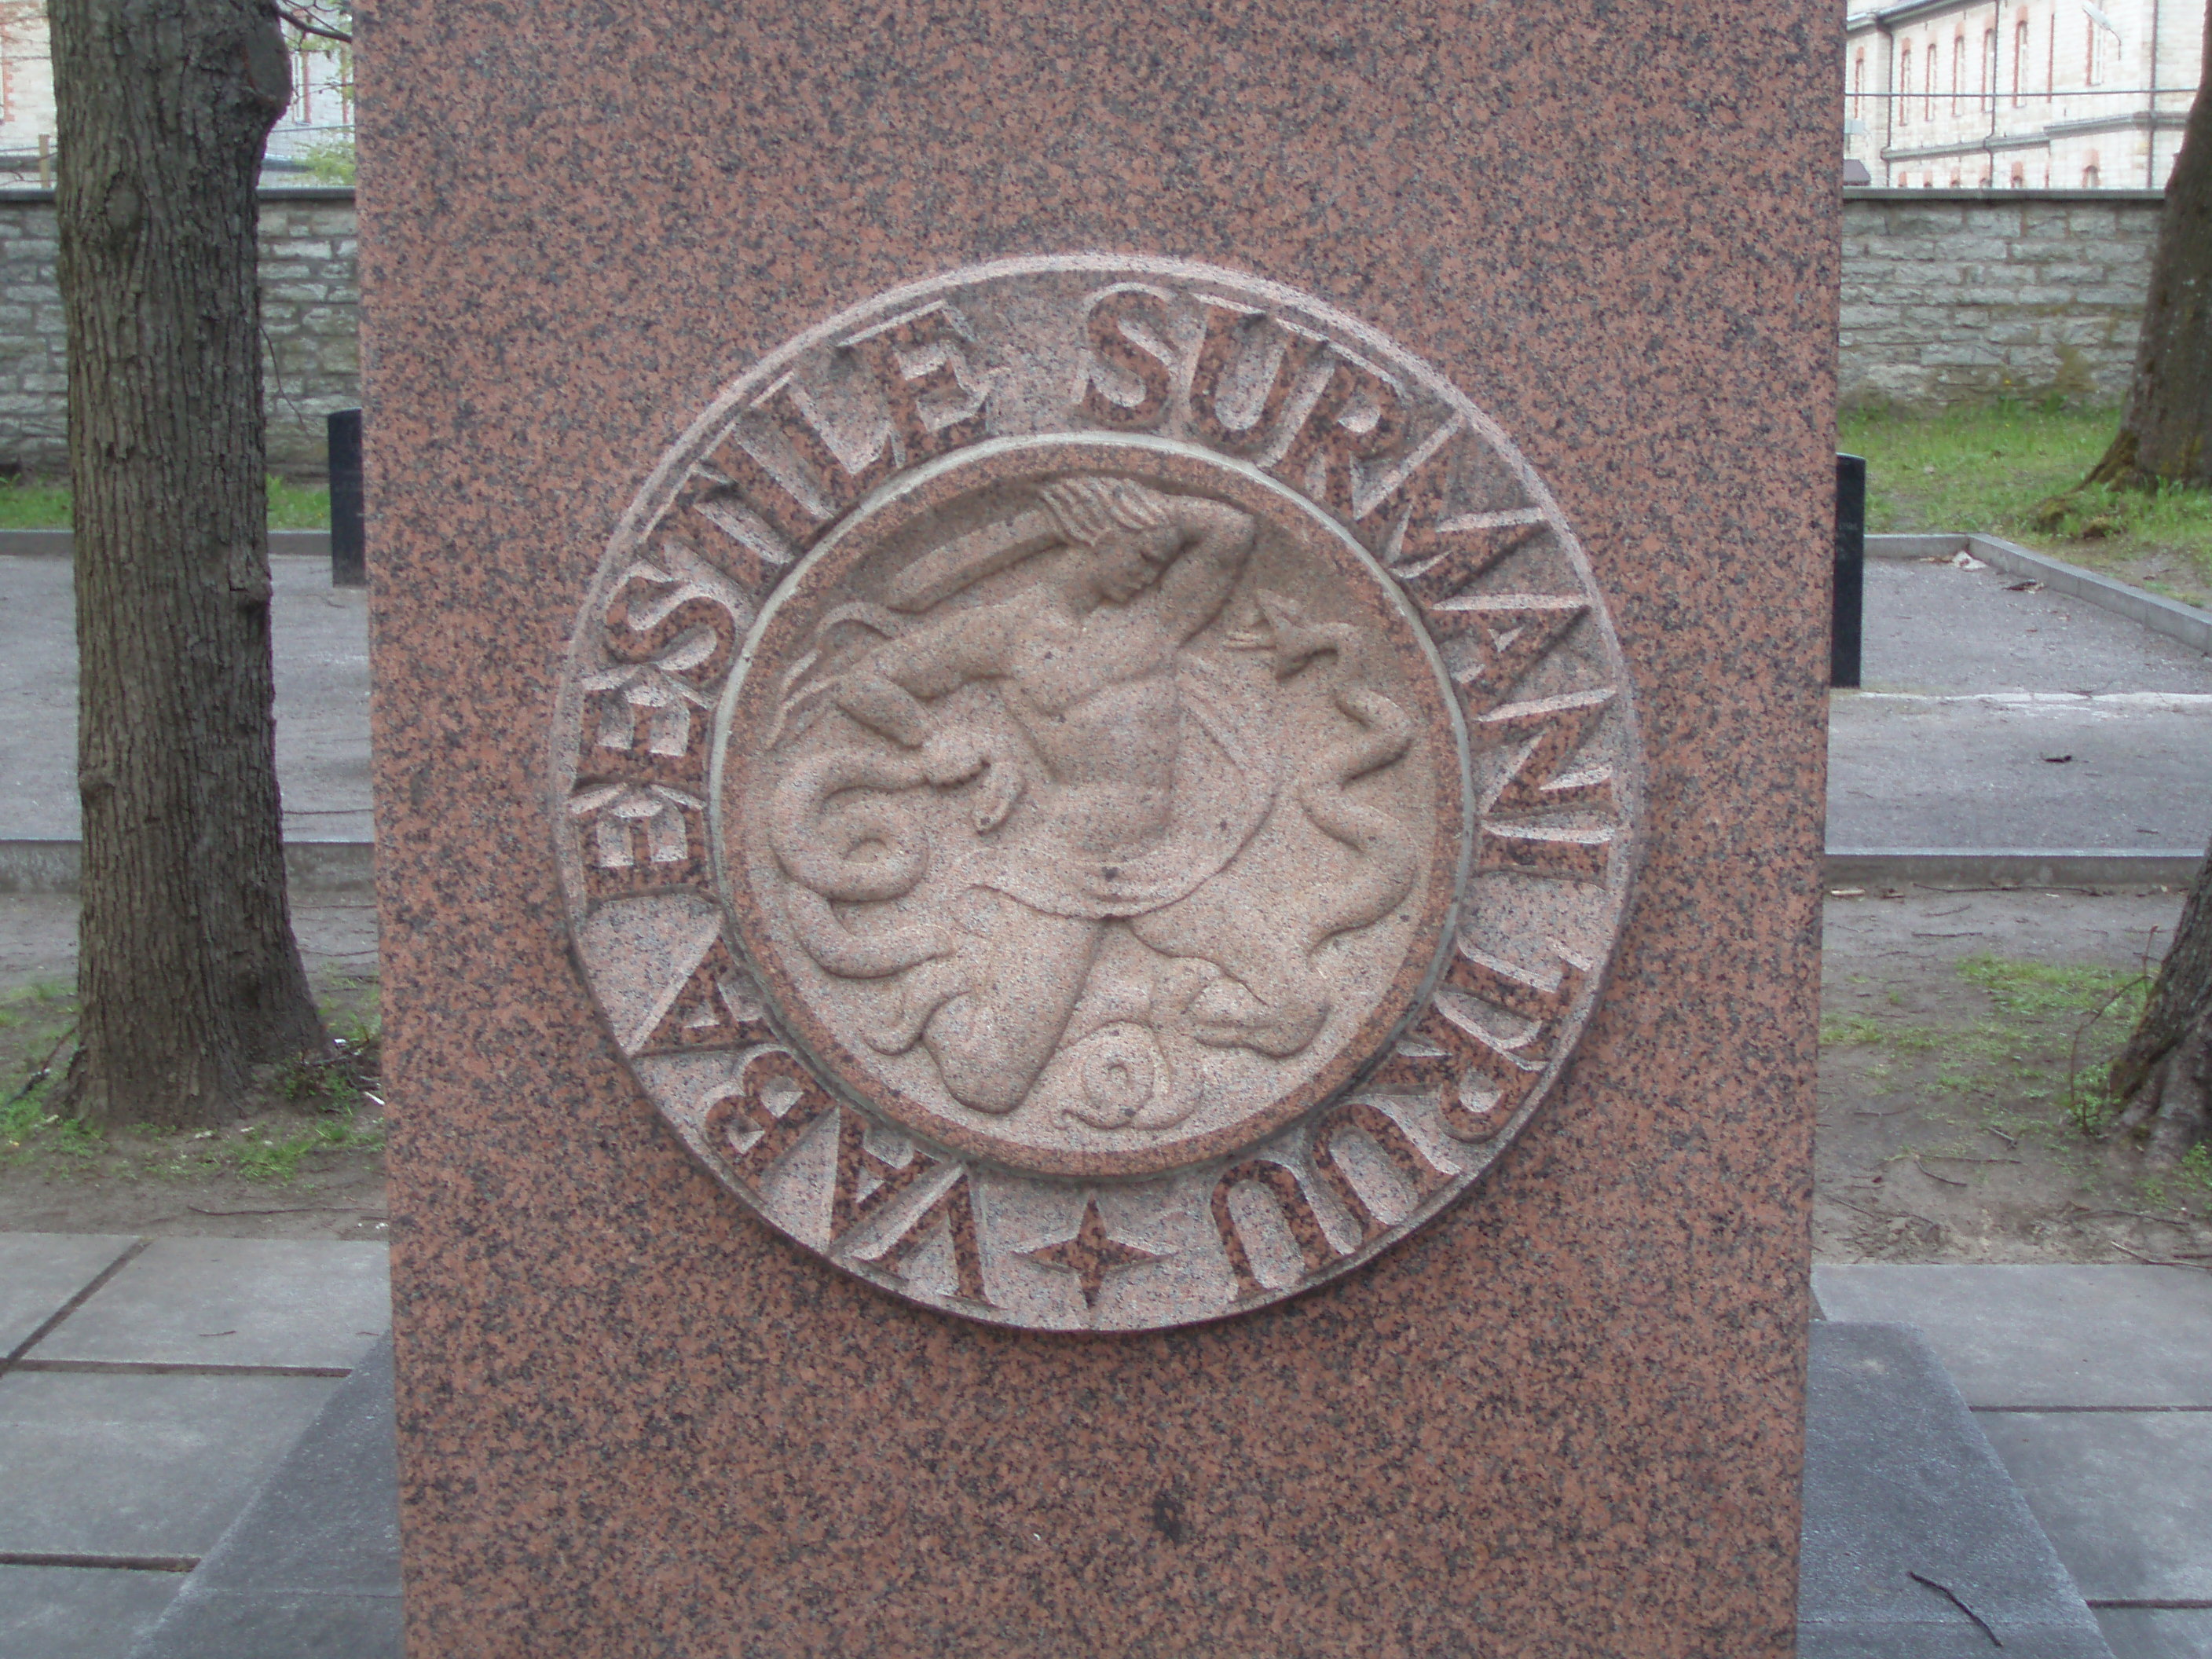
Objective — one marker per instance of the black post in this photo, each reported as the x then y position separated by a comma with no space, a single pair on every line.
1847,600
349,553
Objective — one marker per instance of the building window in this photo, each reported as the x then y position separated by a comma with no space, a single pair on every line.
1904,100
1954,181
2092,179
1858,83
2093,52
2018,176
1928,84
1958,70
1988,69
2018,63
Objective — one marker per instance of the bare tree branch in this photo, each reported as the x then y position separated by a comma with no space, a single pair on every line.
307,27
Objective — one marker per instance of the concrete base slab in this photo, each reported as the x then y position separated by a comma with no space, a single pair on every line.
40,1272
2157,1632
139,1465
234,1302
2083,1336
1914,1541
312,1566
2126,1496
80,1612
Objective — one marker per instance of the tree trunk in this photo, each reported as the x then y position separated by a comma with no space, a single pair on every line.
2167,420
2163,1074
188,975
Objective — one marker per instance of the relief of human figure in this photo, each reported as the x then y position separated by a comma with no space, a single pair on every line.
1077,827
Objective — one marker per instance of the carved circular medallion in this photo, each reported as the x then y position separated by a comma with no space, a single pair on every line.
1094,792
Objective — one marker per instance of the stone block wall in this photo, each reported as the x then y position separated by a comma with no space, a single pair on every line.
1956,297
1950,298
312,360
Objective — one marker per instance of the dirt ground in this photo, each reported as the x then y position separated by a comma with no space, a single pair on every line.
1963,1041
303,1160
1962,1038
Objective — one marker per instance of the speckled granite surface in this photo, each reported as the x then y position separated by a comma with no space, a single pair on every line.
1563,1419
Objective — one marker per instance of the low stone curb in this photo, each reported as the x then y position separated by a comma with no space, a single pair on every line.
60,543
315,867
2176,621
1960,866
53,866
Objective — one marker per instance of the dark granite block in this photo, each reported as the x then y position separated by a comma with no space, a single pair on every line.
1915,1541
312,1566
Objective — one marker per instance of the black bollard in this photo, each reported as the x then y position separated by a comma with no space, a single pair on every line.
349,552
1847,598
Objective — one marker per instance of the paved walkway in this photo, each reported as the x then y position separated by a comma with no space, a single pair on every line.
322,701
1995,718
148,1387
1925,759
2094,1385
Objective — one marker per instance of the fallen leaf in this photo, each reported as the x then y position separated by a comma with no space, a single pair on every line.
1847,892
1962,560
2023,587
2056,760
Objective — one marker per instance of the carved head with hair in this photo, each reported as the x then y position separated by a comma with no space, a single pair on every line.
1128,529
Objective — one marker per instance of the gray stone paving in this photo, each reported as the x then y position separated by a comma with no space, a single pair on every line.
169,1379
139,1465
1915,1541
40,1272
80,1613
2020,1336
2094,1385
232,1302
122,1441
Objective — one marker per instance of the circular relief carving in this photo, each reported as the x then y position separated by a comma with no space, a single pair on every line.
1094,792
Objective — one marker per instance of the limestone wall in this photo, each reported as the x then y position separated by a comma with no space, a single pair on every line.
1961,296
309,298
1949,297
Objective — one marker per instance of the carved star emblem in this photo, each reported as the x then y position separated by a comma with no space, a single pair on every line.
1091,1254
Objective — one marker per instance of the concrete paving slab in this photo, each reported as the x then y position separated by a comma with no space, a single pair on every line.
2045,1335
1914,1541
2157,1632
139,1464
80,1613
40,1272
1935,628
1922,772
321,639
2126,1496
234,1302
312,1566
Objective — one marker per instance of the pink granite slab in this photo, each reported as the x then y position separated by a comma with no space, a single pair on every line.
1562,1419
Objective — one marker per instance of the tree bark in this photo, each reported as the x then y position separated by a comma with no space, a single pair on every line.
2163,1076
2165,426
188,975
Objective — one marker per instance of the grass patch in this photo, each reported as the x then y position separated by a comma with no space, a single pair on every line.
44,504
1985,471
2047,1044
325,1104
